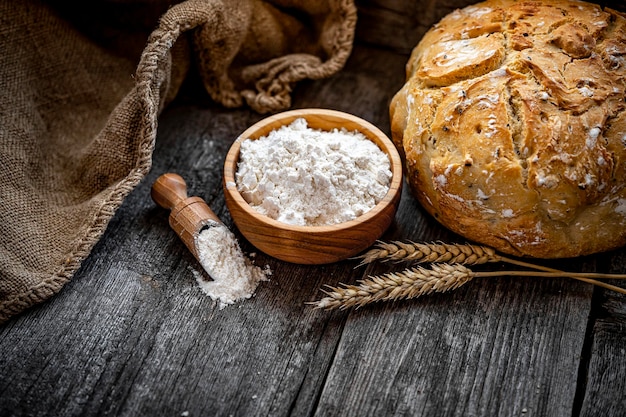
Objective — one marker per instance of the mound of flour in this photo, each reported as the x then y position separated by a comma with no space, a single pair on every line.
234,276
309,177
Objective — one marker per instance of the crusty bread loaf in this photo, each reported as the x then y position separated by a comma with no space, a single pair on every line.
512,126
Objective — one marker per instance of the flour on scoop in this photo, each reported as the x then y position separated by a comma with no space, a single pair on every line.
234,275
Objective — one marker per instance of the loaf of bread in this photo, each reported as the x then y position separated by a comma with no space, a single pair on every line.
512,126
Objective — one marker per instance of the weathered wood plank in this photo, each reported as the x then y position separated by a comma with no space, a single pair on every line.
604,386
493,348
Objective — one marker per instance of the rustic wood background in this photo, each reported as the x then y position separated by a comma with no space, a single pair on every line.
133,335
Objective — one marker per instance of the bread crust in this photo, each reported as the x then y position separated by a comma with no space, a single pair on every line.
512,126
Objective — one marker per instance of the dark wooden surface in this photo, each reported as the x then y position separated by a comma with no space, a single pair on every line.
133,335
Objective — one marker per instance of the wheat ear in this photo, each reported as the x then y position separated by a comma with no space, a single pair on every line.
466,255
414,282
429,252
409,283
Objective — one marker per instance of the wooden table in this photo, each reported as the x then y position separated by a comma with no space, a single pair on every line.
133,335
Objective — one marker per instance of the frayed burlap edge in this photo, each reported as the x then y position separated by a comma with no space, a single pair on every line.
274,79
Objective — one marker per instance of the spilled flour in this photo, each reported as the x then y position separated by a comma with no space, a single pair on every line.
234,275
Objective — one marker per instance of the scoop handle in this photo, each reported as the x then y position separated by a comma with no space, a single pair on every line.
169,190
188,214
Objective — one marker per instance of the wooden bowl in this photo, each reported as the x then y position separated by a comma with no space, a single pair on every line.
313,244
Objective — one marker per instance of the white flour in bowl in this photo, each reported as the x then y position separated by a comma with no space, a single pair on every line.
311,177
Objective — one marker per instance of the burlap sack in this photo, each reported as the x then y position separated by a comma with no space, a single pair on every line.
77,128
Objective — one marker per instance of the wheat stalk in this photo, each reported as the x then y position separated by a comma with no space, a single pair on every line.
466,255
418,281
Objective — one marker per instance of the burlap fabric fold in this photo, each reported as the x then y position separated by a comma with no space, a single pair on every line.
81,89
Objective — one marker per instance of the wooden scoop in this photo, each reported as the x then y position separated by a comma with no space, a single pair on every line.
188,214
